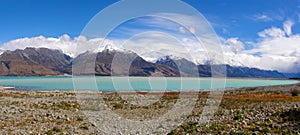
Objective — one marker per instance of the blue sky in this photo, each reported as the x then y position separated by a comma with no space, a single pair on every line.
242,18
28,18
254,33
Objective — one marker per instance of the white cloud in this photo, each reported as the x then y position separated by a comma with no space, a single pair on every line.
262,17
272,33
279,49
182,30
64,43
154,45
283,46
280,53
287,26
235,45
276,49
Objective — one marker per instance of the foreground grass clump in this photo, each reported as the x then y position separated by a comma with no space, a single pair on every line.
54,130
291,115
66,105
295,93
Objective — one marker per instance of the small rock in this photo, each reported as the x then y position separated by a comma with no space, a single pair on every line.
258,128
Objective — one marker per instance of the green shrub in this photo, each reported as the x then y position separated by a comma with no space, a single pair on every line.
237,117
84,127
117,105
56,129
295,93
291,115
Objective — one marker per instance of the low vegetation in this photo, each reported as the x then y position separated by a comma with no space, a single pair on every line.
259,110
295,93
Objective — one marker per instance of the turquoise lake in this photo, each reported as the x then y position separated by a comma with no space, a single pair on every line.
132,83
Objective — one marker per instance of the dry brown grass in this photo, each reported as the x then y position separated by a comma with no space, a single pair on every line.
259,97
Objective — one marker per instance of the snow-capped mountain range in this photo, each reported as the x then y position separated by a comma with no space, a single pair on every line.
199,57
43,61
154,56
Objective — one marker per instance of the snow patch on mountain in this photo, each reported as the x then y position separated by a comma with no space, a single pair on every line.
2,51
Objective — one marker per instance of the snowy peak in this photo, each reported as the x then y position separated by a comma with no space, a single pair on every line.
113,48
169,58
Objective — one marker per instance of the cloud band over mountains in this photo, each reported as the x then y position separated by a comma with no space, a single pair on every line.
276,49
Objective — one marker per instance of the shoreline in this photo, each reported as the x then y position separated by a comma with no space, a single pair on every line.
8,88
225,77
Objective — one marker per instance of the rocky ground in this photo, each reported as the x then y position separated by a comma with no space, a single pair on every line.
257,110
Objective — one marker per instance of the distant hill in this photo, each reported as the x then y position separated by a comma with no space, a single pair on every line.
189,67
292,75
43,61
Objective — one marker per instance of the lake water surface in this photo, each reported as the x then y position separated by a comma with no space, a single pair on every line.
132,83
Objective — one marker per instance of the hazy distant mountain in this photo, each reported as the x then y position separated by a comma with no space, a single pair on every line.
117,62
188,68
292,75
231,71
252,72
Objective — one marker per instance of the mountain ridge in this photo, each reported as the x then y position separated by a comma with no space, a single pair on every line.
44,61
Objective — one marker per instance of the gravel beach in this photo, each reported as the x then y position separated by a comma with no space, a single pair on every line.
255,110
